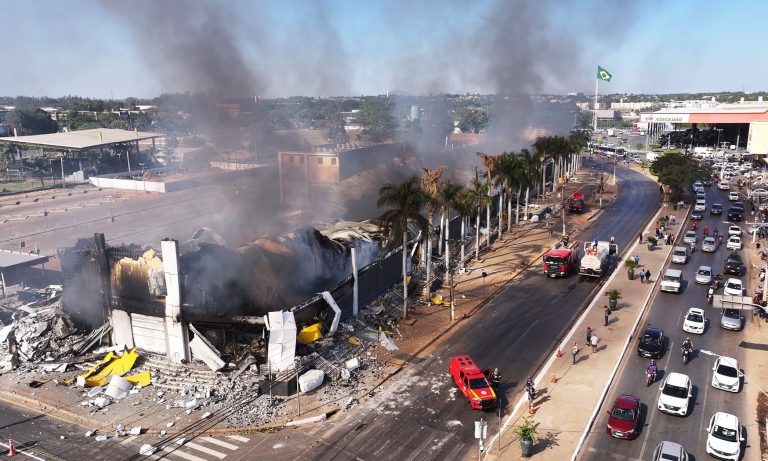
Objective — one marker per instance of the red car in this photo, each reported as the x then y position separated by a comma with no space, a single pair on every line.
472,383
624,417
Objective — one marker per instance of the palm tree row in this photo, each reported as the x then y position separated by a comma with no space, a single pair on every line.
509,172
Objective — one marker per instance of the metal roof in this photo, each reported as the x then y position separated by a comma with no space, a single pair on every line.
83,139
14,259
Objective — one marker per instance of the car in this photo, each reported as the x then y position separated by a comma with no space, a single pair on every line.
752,228
675,394
671,281
733,196
669,451
734,230
735,214
680,255
726,374
723,185
738,206
624,417
734,264
724,436
698,186
696,215
734,243
690,237
704,275
733,287
651,344
694,321
701,205
472,383
731,319
716,209
709,245
759,194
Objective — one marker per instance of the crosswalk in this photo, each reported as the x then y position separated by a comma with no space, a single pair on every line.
202,448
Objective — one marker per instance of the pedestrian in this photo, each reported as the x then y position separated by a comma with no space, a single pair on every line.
606,314
647,276
640,237
637,260
530,397
593,343
575,352
642,275
589,333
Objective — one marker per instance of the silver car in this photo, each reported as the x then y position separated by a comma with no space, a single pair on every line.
709,245
690,237
731,319
704,275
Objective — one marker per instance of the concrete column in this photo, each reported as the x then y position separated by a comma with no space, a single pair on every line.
354,284
176,331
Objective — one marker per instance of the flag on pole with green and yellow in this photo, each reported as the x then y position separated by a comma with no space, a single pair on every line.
603,74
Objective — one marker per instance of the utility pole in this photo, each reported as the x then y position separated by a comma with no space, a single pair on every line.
63,181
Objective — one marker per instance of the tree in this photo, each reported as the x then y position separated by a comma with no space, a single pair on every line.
473,119
509,175
375,117
678,171
531,165
477,196
449,193
405,200
130,103
490,164
429,181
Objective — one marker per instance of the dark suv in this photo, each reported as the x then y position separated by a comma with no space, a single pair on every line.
651,344
716,208
734,264
735,213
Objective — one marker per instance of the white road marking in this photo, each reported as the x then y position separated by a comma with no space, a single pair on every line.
127,440
22,452
239,438
220,443
205,450
174,450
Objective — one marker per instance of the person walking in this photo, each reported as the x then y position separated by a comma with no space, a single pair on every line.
647,276
574,352
637,259
593,343
640,237
642,275
606,314
589,333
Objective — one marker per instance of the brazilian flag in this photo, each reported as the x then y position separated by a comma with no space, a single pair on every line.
603,74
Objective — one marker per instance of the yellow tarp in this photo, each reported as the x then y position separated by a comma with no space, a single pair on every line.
111,364
140,379
353,341
310,333
438,299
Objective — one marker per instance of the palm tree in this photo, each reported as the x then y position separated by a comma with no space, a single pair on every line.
509,172
429,181
490,164
405,200
476,198
466,210
530,169
542,148
449,192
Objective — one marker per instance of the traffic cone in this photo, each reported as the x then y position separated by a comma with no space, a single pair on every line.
11,450
559,352
554,379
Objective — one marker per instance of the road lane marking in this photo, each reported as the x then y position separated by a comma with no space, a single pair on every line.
220,443
206,450
239,438
174,450
22,452
127,440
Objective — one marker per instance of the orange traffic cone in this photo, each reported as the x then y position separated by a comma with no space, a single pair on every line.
559,352
554,379
11,450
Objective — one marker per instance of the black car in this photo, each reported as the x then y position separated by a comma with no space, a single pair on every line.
716,208
734,264
696,215
738,206
735,214
651,343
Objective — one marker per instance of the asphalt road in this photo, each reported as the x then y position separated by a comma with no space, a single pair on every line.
667,312
40,436
420,415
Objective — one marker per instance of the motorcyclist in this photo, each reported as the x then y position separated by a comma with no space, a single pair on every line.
716,232
687,345
693,225
706,230
651,369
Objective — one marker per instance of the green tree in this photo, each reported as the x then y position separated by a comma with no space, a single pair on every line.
405,201
678,170
477,197
509,176
429,182
473,119
375,117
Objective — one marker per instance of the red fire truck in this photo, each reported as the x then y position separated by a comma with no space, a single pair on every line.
559,262
472,383
576,202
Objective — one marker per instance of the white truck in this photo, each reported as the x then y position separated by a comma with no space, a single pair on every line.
597,258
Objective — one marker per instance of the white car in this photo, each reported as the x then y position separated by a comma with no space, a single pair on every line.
701,205
723,185
694,321
734,230
698,186
704,275
709,245
690,237
733,287
734,243
733,196
726,374
724,436
675,394
762,194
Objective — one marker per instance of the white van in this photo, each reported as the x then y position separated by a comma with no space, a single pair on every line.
680,255
672,280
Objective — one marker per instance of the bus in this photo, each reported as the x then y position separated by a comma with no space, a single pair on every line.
609,150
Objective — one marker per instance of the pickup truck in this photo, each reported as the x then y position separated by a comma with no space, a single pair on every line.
472,383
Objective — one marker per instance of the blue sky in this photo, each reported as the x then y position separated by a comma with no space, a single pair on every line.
100,48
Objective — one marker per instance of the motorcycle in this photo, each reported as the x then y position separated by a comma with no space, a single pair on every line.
650,377
686,355
710,294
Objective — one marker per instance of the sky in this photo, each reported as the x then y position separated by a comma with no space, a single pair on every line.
142,48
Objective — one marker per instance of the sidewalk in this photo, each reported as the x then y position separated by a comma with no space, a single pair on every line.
581,387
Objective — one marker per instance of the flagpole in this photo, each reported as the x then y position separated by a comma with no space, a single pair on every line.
594,120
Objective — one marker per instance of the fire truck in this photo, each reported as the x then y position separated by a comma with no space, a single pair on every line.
576,202
472,382
559,262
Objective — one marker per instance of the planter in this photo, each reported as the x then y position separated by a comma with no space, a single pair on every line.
631,273
526,446
613,304
651,246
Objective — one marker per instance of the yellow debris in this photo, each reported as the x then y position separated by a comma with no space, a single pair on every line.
310,333
111,364
353,341
140,379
